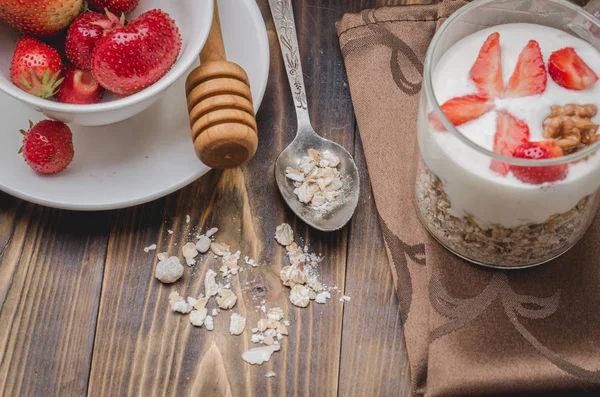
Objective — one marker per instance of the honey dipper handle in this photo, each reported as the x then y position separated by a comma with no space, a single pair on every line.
214,49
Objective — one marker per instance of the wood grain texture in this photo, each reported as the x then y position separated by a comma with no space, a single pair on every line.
374,361
81,312
51,269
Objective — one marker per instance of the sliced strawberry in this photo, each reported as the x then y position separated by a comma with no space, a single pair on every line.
570,71
538,175
462,110
486,72
79,87
510,134
529,77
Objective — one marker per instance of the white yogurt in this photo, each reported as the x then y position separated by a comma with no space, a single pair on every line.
470,184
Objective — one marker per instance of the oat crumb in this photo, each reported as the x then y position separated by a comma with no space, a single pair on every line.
237,324
259,355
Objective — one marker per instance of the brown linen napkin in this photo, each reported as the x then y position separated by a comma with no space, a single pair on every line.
469,331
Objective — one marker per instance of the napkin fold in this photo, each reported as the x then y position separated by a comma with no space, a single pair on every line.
468,330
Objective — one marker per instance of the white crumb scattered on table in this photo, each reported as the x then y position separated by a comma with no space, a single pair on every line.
168,270
150,248
203,244
237,324
179,304
208,323
211,232
259,355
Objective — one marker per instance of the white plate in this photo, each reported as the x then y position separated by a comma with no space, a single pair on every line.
140,159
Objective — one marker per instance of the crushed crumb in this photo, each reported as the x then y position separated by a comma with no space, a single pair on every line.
163,256
150,248
211,232
275,313
197,317
270,374
257,338
226,299
208,323
169,231
169,270
187,219
250,261
189,252
322,297
345,298
178,304
211,288
237,324
284,234
203,244
300,295
219,249
259,355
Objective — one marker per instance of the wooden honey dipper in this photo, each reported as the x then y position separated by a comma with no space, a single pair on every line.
220,106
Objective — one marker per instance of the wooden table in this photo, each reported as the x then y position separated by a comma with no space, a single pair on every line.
81,312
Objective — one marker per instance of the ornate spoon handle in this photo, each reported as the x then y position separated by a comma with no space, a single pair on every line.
283,15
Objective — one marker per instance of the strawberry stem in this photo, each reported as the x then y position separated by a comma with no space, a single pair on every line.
45,88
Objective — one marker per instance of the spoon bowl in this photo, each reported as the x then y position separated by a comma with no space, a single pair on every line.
337,216
342,209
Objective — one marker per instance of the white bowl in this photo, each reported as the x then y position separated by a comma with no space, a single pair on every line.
193,18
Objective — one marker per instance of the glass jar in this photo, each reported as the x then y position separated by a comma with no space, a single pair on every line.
537,208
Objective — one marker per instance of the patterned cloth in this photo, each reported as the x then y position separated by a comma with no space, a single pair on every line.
469,331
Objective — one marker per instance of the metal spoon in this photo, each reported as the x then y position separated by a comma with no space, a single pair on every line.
306,137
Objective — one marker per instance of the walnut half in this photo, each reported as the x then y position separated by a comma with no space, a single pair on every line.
571,127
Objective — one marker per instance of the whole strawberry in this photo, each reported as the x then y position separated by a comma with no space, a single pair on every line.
48,146
115,6
40,17
79,87
85,31
137,55
36,67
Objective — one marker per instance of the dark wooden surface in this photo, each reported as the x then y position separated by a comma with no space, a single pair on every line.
81,313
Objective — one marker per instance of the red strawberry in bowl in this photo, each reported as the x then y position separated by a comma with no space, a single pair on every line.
537,175
462,110
569,71
486,73
133,57
529,76
85,31
79,87
36,67
40,17
48,146
114,6
510,134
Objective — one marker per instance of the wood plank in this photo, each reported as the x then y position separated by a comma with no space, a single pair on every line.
374,359
51,266
142,348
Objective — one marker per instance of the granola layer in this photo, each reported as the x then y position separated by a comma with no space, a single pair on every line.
495,245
